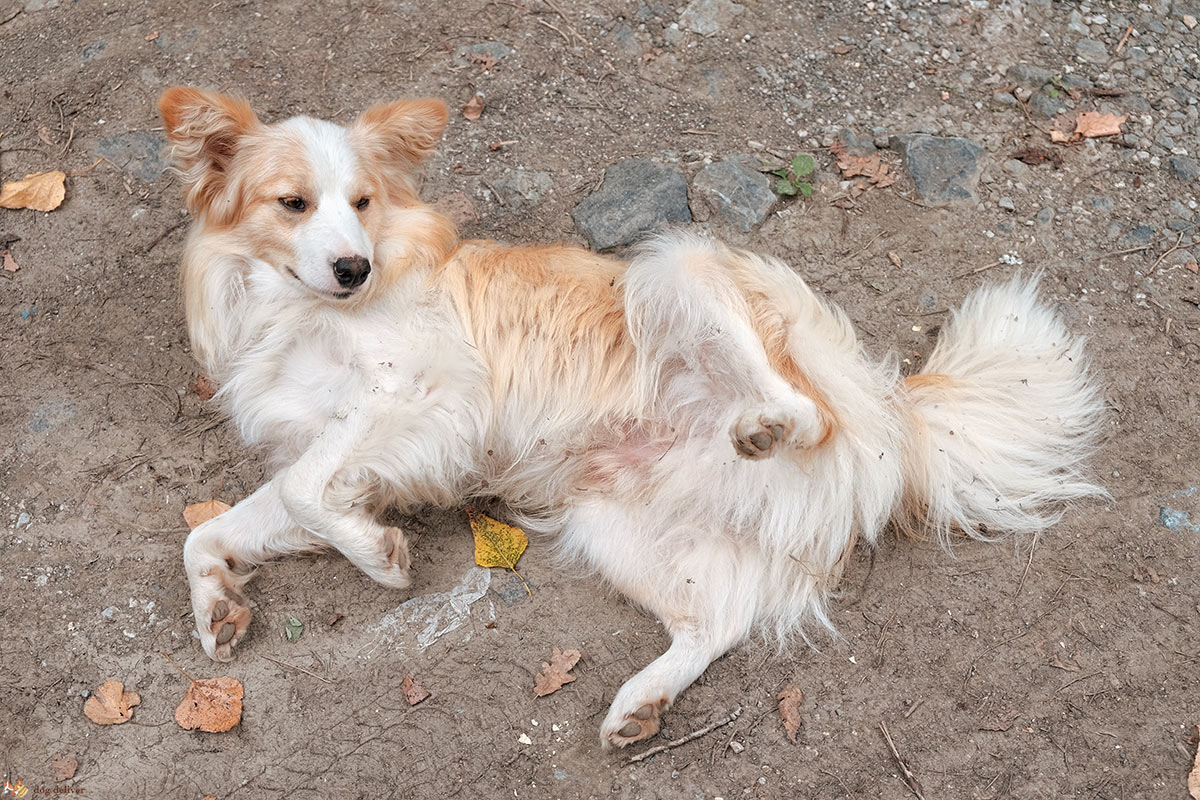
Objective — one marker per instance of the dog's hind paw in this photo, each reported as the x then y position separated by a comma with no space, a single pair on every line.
222,623
392,568
620,729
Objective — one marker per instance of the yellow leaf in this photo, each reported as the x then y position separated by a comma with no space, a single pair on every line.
198,513
496,544
41,191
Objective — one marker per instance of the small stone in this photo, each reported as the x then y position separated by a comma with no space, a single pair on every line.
1101,203
1076,24
1046,105
139,153
706,17
1142,234
1004,99
1029,74
1189,21
945,169
521,189
108,612
1184,168
1018,169
1091,51
736,746
524,739
736,192
1006,203
1045,216
1023,93
637,197
481,53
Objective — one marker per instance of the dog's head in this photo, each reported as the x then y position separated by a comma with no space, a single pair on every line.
308,197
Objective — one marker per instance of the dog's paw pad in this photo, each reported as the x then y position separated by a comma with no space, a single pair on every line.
641,724
229,619
756,434
392,568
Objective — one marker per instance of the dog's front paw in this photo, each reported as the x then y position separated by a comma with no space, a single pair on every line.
625,726
760,432
391,569
222,618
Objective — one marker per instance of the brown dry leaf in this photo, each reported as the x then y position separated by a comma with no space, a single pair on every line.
556,674
1192,266
40,191
413,691
791,702
202,386
63,766
1194,775
1002,725
474,108
1091,124
483,61
150,37
213,705
10,263
1062,127
198,513
111,704
44,134
842,49
895,259
1066,666
873,167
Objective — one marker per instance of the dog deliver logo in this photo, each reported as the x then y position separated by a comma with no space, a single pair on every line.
18,789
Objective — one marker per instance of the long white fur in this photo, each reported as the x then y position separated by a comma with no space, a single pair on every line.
391,401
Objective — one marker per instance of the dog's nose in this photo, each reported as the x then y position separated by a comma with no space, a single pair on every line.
351,271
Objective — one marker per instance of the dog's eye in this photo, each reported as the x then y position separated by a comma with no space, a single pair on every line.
293,203
362,203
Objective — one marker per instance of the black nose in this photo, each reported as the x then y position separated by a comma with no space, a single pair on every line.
351,272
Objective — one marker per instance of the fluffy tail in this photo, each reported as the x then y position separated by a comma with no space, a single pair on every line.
1002,418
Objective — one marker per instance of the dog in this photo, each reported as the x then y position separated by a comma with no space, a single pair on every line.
695,425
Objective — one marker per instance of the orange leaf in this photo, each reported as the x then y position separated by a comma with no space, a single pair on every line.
202,386
474,107
10,263
413,691
556,674
791,701
111,704
63,767
198,513
1091,124
40,191
213,705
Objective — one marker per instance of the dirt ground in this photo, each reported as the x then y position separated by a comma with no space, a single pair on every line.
1065,669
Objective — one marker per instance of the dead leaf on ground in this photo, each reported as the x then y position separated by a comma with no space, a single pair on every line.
150,37
1035,155
202,386
1194,775
1091,124
10,263
872,167
1192,266
842,49
111,704
43,133
895,259
791,704
483,61
497,544
1002,725
556,674
198,513
474,108
39,191
212,705
63,767
1067,666
414,692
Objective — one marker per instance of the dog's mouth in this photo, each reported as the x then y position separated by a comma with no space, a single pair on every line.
323,292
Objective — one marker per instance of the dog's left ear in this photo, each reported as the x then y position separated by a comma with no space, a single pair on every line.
404,132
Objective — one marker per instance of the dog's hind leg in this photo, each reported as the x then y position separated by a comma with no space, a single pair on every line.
691,319
220,556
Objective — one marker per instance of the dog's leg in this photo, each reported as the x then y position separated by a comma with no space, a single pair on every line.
220,555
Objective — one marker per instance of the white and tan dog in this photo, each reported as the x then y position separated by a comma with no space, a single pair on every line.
695,425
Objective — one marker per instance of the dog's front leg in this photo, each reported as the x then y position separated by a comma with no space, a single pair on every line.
220,556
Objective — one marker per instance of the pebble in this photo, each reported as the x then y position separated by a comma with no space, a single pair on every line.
1101,203
945,169
637,197
1142,234
1046,105
521,189
140,153
1091,51
1045,216
1007,204
1029,74
1184,168
706,17
735,191
108,612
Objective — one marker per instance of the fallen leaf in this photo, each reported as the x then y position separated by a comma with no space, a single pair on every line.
895,259
556,674
202,386
1194,775
213,705
1067,666
1031,155
1091,124
40,191
474,107
334,619
63,767
10,263
111,704
1002,725
197,513
496,544
1059,136
842,49
483,61
873,167
413,691
44,134
791,701
150,37
294,629
1192,266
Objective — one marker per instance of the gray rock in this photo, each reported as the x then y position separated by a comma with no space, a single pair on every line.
1046,105
1007,204
473,53
1101,203
138,153
624,38
1029,74
735,191
944,169
1075,23
521,189
1178,209
853,144
1045,216
1004,99
706,17
1091,51
1184,168
1018,169
637,196
1142,234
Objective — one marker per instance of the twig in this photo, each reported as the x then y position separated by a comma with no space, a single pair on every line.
158,239
1028,564
910,780
541,21
86,171
694,132
286,665
176,666
737,712
913,708
1121,43
1174,247
495,194
978,270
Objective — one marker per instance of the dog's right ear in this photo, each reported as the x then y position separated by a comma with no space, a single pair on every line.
204,129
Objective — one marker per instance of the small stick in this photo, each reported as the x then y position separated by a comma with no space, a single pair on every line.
737,712
913,708
978,270
286,665
1028,564
495,194
694,132
910,780
1121,43
1174,247
541,21
176,666
86,171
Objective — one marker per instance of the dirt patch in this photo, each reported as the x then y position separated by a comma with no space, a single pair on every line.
1065,669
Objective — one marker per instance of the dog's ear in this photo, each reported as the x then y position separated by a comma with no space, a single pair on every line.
204,129
404,133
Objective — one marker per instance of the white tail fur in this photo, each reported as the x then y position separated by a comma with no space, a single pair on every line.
1001,418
